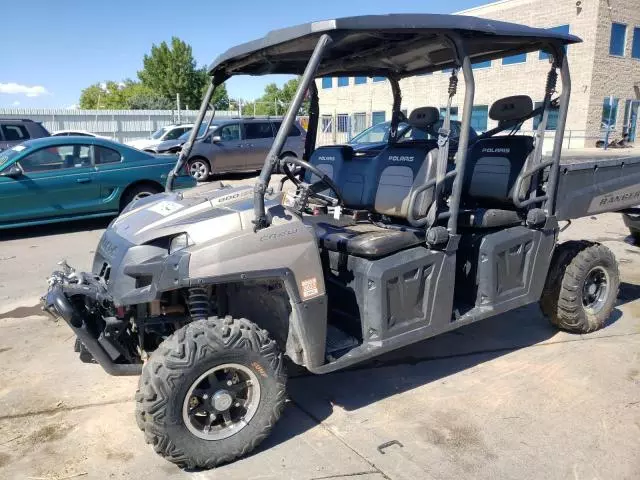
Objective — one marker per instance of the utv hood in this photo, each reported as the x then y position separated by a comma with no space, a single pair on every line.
204,213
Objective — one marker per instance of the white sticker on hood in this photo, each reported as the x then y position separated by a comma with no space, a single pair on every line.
165,208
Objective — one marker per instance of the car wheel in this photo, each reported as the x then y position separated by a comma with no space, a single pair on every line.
137,192
199,169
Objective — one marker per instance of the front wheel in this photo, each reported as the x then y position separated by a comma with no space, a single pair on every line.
211,392
582,287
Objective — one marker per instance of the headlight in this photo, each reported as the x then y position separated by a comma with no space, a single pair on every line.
179,242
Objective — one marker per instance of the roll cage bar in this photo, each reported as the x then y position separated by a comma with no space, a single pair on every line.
460,46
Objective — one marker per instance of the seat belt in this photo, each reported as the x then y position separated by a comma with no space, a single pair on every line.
444,134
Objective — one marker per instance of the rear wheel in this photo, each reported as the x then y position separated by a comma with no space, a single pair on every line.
199,169
137,192
582,287
211,392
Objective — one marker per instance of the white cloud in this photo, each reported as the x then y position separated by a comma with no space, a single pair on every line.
16,89
16,103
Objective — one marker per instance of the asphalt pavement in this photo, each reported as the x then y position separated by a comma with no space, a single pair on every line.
509,397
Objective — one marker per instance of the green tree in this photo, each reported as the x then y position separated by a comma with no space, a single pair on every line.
170,70
274,100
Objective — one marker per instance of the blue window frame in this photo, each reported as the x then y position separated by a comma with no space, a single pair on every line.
343,81
609,111
327,82
635,47
359,80
520,58
618,39
378,117
454,112
552,118
379,79
479,117
485,64
559,29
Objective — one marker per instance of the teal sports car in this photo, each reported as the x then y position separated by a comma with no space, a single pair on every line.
57,179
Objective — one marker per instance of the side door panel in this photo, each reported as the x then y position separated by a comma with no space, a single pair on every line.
114,174
229,153
258,141
57,181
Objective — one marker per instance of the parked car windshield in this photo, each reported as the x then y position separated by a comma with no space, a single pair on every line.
9,154
376,134
379,133
185,136
159,133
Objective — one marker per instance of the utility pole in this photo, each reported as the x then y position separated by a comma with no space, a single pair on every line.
178,105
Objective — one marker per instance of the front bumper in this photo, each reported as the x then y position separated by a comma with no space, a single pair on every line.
57,302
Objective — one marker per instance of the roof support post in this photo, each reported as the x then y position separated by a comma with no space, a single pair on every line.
307,78
463,142
314,117
563,109
395,109
186,150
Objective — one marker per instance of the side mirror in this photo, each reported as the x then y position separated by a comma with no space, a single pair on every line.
14,171
216,139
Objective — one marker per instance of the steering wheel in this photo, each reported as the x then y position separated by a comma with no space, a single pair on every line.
311,190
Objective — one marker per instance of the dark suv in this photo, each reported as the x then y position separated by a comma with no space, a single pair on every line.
15,131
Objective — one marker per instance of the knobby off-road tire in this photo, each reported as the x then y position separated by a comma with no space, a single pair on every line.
179,363
566,299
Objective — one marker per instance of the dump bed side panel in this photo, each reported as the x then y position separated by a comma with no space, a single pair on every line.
592,185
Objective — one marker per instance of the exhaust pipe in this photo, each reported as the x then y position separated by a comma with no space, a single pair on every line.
57,301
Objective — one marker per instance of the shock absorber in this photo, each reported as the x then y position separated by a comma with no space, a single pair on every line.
198,303
552,79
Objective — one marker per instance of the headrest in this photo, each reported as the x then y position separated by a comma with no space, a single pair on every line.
511,108
423,117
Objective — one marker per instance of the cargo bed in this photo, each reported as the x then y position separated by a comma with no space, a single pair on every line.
595,181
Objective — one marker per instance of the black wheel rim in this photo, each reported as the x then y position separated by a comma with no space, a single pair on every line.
595,290
221,402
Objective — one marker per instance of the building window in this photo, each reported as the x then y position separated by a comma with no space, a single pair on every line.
343,81
552,118
609,112
343,122
454,112
327,124
618,38
447,70
560,29
359,122
359,80
379,79
485,64
327,82
521,58
378,117
479,116
635,48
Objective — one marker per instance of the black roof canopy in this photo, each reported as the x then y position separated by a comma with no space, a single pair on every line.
385,45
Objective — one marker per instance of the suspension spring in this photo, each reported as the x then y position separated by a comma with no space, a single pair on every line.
198,302
453,84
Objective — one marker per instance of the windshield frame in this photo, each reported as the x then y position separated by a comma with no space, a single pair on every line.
10,155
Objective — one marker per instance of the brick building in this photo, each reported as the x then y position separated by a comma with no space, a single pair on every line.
606,64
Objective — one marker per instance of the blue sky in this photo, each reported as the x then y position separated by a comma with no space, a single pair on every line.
55,48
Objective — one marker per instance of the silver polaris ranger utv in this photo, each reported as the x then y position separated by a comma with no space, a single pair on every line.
204,292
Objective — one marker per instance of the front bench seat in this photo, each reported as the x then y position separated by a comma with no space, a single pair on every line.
383,185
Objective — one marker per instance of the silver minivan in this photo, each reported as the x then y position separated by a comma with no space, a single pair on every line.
241,144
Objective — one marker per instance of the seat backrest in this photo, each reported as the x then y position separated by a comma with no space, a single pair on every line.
402,168
329,159
492,167
494,163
